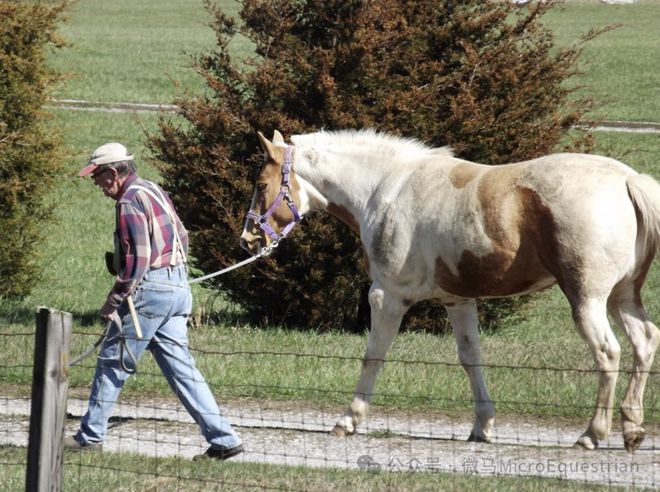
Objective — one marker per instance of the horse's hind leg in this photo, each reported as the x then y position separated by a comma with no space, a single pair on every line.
626,308
590,316
464,322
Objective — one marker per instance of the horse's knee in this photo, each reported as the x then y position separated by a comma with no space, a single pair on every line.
608,355
468,348
376,298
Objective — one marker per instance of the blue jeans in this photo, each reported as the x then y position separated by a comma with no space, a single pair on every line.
163,303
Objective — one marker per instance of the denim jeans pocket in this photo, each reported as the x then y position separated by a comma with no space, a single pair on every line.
153,300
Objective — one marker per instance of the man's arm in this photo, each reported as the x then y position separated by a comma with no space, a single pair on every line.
135,252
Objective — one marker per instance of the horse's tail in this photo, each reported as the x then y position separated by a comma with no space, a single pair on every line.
644,192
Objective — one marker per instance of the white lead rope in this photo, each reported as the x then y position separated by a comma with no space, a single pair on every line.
266,251
228,269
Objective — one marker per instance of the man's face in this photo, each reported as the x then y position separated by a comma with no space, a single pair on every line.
106,178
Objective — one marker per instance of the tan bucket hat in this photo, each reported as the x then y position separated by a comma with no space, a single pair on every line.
106,154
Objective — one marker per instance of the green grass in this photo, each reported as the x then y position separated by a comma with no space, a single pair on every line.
126,472
131,51
139,51
427,376
621,66
134,51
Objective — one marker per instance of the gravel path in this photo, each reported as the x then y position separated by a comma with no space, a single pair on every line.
288,434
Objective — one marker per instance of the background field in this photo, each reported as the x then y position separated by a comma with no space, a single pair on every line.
140,45
138,51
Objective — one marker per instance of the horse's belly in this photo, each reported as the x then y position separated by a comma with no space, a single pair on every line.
496,274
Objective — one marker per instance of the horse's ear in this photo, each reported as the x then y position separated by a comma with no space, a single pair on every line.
265,144
278,139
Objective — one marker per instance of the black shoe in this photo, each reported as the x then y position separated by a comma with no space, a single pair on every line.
73,443
219,453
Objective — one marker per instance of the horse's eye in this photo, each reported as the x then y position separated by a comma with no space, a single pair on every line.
261,187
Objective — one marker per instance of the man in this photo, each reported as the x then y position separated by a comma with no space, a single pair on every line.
150,303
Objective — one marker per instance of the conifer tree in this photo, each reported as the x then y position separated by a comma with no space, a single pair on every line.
483,76
28,149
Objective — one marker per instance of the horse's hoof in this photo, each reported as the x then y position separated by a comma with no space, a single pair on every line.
633,440
474,438
339,431
586,442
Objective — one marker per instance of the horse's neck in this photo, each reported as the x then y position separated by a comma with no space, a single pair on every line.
341,178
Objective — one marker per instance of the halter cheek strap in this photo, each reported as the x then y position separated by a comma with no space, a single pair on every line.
285,195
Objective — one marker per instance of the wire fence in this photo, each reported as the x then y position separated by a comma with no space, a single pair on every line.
414,437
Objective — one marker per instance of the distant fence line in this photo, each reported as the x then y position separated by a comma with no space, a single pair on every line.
128,107
120,107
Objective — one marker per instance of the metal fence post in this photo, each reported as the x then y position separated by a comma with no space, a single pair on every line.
49,396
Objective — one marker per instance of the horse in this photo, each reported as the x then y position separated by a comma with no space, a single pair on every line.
436,226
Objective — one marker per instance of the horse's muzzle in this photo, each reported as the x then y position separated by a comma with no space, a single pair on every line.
252,245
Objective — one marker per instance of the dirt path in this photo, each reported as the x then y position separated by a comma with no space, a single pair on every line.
289,434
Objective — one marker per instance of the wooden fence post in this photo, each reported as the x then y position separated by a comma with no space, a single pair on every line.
50,384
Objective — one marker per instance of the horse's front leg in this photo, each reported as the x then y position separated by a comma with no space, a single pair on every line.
386,314
465,323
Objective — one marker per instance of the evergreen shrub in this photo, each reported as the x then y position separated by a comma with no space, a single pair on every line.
28,149
485,77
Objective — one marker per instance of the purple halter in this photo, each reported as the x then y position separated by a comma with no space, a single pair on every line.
284,194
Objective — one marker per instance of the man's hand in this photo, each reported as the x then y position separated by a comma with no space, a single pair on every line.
107,311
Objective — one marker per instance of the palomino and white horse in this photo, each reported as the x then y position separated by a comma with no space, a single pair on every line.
435,226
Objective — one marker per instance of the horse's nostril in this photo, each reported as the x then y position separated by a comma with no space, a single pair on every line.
250,246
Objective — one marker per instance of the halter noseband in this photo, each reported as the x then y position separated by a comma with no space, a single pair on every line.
284,194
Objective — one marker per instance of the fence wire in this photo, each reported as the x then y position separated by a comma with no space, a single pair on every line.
414,437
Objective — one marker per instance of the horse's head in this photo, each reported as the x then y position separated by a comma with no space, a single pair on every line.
273,211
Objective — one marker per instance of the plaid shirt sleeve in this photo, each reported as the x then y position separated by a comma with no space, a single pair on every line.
134,242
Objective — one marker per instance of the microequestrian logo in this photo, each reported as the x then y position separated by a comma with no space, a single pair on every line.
367,463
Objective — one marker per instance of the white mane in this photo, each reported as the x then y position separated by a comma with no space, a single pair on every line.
369,140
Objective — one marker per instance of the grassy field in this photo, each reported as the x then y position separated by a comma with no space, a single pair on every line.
86,473
75,279
134,51
139,51
620,66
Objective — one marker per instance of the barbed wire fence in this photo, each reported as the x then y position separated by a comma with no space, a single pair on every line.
288,426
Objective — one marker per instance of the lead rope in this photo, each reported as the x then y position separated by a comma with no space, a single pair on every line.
123,347
263,252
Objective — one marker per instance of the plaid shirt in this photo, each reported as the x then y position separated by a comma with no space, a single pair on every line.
144,237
